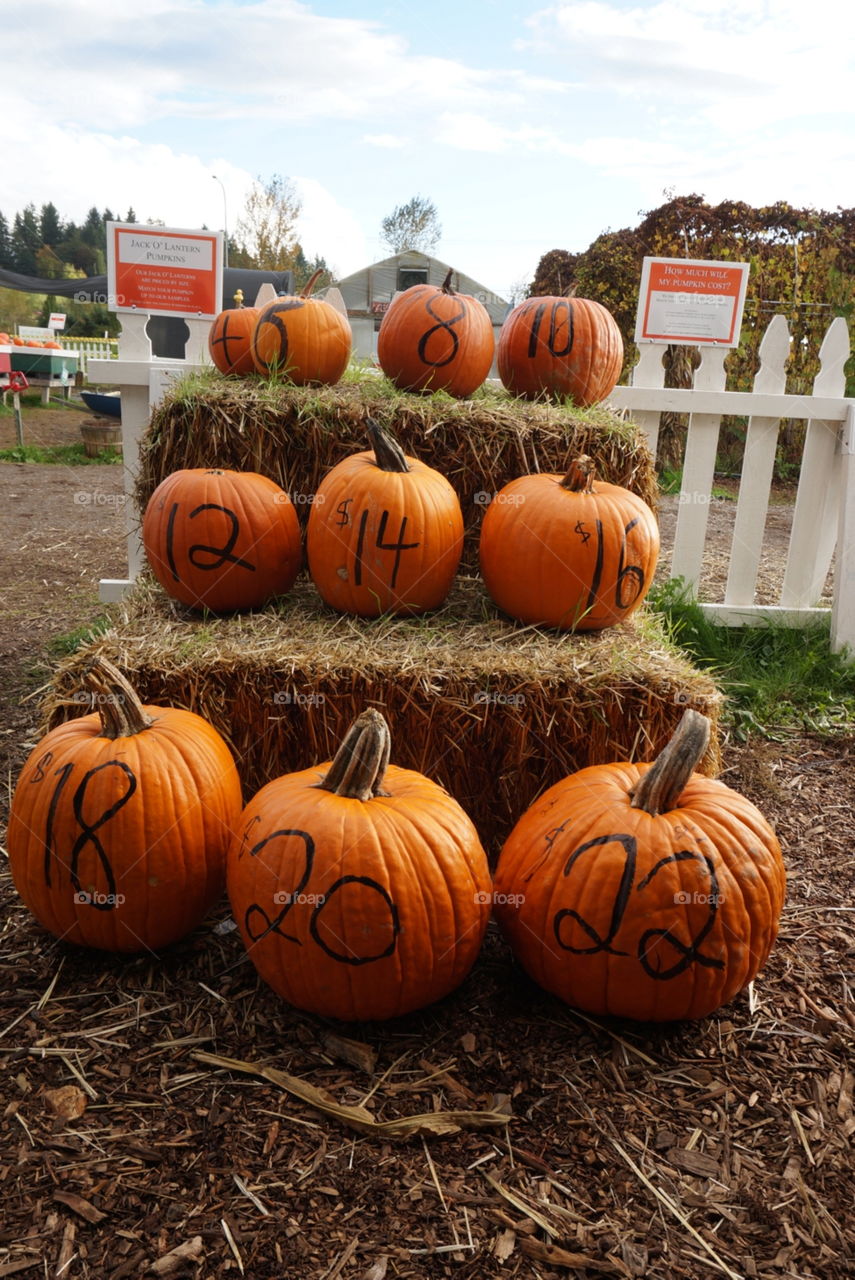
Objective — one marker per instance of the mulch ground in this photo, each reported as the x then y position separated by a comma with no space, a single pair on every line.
128,1148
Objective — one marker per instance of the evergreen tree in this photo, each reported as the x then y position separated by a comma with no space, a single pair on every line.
49,225
26,241
5,244
92,232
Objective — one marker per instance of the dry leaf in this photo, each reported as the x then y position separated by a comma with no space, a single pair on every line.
67,1102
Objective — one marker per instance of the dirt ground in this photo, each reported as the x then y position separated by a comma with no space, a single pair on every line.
717,1149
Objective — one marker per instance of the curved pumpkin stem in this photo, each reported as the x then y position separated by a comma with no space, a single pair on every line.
388,454
361,760
446,284
661,786
307,288
122,714
580,476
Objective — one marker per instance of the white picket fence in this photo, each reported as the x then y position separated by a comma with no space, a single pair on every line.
91,349
824,517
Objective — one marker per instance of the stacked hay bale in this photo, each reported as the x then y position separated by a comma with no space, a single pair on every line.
493,711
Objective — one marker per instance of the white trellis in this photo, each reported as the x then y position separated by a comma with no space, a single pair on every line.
824,516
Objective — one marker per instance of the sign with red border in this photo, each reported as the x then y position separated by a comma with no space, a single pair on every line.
164,271
691,301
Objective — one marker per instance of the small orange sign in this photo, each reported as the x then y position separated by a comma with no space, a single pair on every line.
164,271
691,301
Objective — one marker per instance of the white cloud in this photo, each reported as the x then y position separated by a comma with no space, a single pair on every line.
327,228
392,141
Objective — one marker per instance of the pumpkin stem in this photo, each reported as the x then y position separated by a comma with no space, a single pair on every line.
238,298
580,476
122,714
388,454
446,284
661,786
307,288
360,762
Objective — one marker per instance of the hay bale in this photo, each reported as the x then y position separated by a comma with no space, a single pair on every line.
493,711
295,434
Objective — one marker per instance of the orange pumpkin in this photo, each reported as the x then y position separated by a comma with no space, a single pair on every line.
642,891
230,338
5,340
560,348
361,890
385,533
567,552
222,540
433,339
302,338
121,820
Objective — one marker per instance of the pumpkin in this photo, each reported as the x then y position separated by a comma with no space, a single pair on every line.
222,540
302,338
385,532
361,890
568,552
5,340
560,348
433,339
121,820
642,891
230,338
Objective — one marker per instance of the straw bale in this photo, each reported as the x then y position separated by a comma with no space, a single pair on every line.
295,434
494,711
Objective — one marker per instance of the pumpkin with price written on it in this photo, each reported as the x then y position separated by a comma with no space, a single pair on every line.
560,348
361,890
385,532
568,552
302,339
642,891
121,820
222,540
230,338
433,339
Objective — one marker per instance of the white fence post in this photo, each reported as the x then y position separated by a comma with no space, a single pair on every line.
649,372
843,610
814,529
758,466
698,473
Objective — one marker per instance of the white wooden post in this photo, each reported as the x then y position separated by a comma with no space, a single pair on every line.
843,610
698,473
814,530
758,465
649,372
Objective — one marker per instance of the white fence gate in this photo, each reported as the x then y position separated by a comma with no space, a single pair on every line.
824,516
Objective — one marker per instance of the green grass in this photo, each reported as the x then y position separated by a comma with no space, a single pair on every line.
61,646
774,677
73,455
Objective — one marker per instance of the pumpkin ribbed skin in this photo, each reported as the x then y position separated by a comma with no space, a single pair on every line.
560,348
230,340
432,339
222,540
355,908
384,541
652,916
302,339
138,824
562,556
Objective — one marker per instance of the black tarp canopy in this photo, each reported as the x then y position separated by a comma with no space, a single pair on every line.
94,288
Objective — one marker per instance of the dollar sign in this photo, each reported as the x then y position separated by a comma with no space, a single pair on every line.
341,510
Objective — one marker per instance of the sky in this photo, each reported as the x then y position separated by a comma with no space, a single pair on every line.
531,127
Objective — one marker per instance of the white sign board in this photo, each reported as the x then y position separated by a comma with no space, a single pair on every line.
164,271
56,320
690,301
